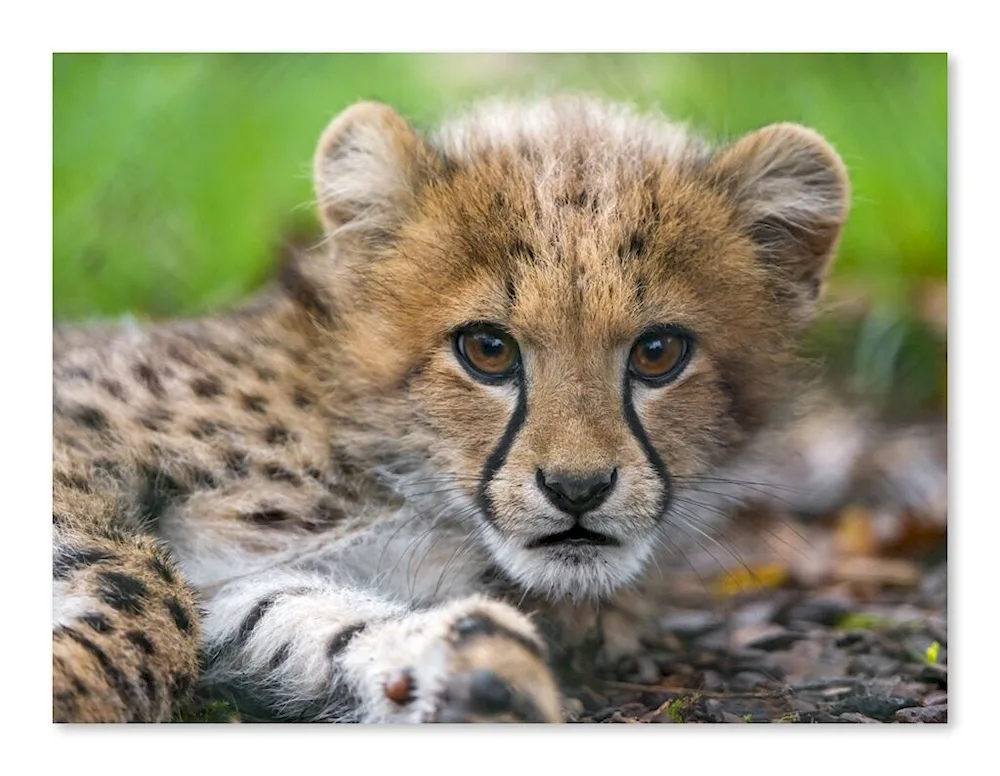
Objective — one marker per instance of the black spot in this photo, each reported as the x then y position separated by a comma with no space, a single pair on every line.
162,569
339,641
114,389
280,474
78,557
266,374
267,517
114,676
80,687
206,386
479,624
312,471
276,435
149,683
91,417
98,622
254,403
326,511
634,247
159,491
202,478
181,685
280,656
122,592
302,399
154,419
237,462
205,428
180,617
179,354
518,248
145,374
140,641
254,616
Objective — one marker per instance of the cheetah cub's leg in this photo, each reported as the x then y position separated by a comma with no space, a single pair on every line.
306,648
125,625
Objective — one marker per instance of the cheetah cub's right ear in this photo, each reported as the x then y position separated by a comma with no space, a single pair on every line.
367,167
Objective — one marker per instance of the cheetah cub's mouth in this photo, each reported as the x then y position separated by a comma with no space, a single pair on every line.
577,536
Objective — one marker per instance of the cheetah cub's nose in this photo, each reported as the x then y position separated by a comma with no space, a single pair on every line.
576,495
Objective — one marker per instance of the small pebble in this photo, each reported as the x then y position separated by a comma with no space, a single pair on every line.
690,625
853,716
922,714
873,665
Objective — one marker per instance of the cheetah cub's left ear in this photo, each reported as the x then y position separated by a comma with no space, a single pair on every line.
367,168
791,193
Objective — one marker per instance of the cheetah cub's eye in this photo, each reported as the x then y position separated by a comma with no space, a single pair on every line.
487,352
660,355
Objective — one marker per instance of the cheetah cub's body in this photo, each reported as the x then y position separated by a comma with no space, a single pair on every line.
525,336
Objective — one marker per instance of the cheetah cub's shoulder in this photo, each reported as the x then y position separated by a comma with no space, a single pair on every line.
525,335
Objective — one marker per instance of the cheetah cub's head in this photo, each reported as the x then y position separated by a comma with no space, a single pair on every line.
570,311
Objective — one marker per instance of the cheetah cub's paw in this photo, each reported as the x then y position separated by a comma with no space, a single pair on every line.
474,660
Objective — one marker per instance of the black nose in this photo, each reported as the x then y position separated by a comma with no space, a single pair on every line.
576,495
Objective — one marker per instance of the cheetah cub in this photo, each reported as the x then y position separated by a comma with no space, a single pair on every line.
388,488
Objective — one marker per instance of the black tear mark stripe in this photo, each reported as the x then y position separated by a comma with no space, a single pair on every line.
499,454
480,624
635,425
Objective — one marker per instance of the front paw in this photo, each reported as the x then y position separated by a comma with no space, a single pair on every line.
474,660
497,672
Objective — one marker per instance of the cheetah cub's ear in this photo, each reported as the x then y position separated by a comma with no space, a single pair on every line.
367,167
790,189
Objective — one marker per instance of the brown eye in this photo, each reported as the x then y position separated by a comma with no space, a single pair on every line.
487,352
659,356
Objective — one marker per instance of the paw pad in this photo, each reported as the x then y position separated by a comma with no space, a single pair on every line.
400,687
489,694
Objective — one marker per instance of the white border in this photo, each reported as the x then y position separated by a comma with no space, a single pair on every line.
37,30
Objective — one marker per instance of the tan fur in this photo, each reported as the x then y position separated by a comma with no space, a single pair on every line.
332,405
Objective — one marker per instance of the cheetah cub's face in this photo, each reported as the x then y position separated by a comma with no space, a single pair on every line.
571,311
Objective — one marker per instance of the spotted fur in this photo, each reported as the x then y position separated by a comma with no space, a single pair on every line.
311,499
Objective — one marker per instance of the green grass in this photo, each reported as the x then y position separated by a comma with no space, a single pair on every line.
176,177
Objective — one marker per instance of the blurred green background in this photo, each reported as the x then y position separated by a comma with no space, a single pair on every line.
178,177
